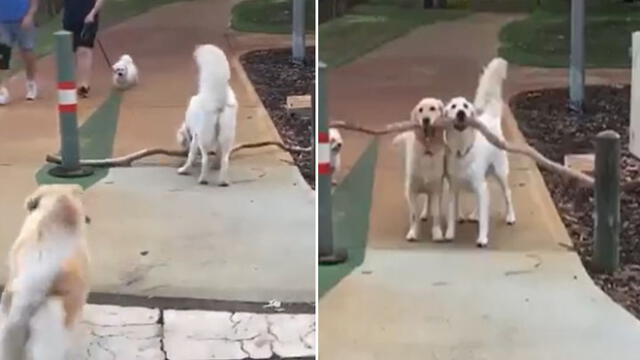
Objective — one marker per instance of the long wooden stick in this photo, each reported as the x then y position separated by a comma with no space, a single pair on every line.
583,179
127,160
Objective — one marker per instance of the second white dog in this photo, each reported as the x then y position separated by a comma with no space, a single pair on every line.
125,73
471,156
424,167
210,120
335,143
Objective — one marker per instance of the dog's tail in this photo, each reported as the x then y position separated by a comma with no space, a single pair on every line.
489,93
214,75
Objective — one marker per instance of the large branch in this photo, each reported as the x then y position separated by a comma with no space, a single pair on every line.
529,151
127,160
391,128
583,179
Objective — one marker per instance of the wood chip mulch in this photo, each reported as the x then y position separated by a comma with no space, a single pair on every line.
548,125
275,77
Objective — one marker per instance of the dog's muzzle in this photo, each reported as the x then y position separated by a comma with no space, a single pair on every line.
336,147
427,129
459,124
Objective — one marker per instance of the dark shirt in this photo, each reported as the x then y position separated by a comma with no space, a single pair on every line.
75,11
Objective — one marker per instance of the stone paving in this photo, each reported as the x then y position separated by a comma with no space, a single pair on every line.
113,332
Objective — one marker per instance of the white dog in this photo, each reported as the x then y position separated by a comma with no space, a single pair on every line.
335,143
471,157
125,73
210,120
424,157
48,277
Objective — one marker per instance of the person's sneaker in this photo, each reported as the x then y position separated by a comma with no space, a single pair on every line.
32,90
83,92
4,96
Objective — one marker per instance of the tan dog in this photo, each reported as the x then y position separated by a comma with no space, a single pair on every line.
48,276
424,156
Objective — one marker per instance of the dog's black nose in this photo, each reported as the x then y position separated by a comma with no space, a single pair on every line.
337,146
461,116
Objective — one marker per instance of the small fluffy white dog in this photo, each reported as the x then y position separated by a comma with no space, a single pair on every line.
125,73
471,157
210,120
335,143
48,277
424,157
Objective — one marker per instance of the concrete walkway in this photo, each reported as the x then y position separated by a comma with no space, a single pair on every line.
115,332
155,233
526,296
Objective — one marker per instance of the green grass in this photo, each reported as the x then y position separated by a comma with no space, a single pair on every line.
269,16
543,38
366,27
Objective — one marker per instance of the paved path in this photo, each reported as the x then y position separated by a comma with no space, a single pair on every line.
114,332
156,233
525,297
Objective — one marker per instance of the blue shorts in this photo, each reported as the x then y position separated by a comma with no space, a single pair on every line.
12,33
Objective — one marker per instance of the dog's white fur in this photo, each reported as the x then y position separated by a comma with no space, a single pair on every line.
48,277
471,157
210,120
424,170
125,73
335,144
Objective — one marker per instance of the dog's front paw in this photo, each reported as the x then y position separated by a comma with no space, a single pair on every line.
183,171
450,234
511,219
203,181
224,183
482,243
436,235
411,235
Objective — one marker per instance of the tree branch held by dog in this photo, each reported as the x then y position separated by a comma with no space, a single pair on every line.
525,149
127,160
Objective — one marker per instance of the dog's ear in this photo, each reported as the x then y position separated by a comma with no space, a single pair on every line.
32,203
441,107
415,113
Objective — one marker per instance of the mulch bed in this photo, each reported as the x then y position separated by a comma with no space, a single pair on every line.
275,77
546,122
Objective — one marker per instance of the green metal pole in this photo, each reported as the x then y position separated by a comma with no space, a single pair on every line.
606,254
67,109
327,252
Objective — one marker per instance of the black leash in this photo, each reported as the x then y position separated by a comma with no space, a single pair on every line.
104,53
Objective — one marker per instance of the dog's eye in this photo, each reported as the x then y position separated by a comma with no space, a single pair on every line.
433,108
420,110
453,106
465,105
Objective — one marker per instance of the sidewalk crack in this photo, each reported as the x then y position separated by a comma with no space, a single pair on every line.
160,323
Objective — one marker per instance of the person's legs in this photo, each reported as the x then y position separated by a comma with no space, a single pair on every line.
84,53
84,57
5,61
26,40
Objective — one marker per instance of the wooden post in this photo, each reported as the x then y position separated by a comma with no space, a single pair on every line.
606,253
